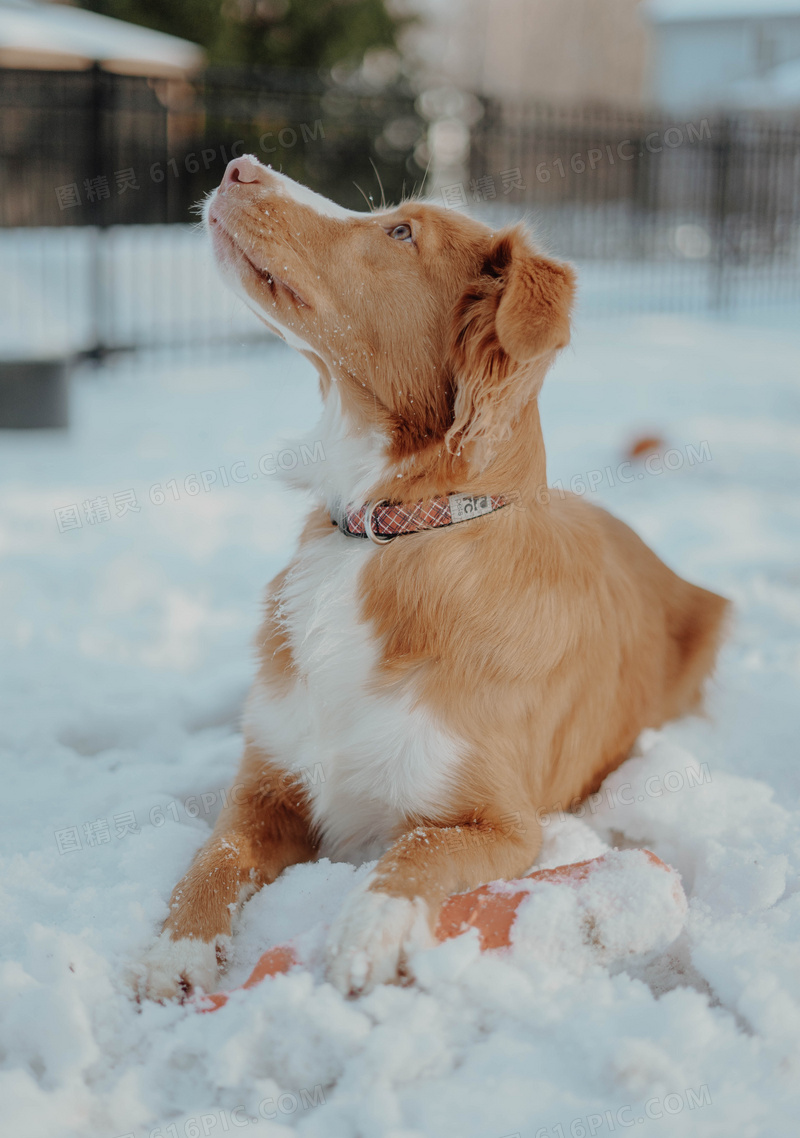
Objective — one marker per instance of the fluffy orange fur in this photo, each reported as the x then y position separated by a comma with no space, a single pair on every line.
546,635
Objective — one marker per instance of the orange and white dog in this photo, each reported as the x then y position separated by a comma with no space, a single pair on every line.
459,651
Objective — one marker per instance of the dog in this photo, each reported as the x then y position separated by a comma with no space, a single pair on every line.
458,651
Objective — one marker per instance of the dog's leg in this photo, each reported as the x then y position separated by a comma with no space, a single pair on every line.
263,829
395,910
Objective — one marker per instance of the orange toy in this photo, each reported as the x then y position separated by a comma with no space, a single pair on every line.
645,445
491,909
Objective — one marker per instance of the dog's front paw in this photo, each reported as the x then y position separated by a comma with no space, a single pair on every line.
372,938
175,969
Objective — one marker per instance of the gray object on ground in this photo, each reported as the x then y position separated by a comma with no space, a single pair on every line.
34,392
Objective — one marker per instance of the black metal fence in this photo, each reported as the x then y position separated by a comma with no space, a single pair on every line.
99,174
95,148
709,205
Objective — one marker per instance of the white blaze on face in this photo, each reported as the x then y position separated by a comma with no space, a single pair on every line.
303,196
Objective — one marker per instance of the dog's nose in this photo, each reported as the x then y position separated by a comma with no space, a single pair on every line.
245,170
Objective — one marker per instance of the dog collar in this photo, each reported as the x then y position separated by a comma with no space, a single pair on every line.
381,522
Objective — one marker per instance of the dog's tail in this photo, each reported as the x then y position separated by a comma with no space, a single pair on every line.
698,625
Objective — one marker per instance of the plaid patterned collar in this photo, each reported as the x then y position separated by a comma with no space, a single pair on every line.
381,521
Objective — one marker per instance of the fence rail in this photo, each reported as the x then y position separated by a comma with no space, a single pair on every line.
99,174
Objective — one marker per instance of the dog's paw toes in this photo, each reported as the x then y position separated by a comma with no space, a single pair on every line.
177,969
371,940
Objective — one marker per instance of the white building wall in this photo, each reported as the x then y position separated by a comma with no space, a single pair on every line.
698,63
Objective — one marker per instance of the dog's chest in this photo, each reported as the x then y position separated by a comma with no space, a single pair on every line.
370,759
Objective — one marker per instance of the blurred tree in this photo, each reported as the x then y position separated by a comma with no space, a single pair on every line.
279,33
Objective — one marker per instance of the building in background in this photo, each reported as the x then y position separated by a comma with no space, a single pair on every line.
557,51
724,53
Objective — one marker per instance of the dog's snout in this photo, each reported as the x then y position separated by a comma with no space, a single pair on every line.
246,171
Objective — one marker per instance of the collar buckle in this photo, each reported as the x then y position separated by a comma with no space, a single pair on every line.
377,538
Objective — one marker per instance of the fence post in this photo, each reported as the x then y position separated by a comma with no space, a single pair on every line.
720,292
97,275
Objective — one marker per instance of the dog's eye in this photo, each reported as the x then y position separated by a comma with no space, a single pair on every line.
401,232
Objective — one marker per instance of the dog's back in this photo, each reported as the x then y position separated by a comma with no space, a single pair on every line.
659,645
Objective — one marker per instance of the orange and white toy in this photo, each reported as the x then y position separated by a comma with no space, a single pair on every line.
630,894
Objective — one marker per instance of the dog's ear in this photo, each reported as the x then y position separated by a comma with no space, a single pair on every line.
508,325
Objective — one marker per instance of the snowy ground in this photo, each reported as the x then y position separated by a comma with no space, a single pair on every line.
125,661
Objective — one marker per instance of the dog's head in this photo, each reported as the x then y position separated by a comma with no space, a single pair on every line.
436,330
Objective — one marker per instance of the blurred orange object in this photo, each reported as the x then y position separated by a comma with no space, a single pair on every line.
645,444
491,909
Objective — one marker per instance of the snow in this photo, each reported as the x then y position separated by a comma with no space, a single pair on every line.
126,658
626,906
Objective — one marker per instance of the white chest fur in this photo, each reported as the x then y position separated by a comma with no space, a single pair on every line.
374,758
